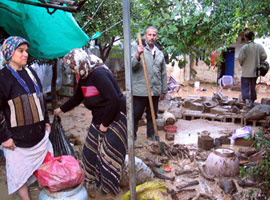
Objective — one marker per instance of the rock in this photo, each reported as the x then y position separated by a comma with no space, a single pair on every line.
184,194
205,142
265,101
219,110
246,183
258,112
240,156
169,136
228,186
173,151
196,106
208,105
221,140
177,112
235,109
152,163
247,152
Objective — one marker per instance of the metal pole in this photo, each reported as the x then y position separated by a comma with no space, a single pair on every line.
130,128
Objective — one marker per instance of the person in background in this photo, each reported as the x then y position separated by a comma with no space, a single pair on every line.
250,56
157,75
106,142
24,120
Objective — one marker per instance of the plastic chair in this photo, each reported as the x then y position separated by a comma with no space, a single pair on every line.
173,85
225,82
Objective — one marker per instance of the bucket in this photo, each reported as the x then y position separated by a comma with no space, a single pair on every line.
197,84
170,128
160,124
77,193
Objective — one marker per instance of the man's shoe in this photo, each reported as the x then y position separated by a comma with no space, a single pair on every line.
152,137
249,103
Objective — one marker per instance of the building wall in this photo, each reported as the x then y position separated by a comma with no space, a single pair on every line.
204,72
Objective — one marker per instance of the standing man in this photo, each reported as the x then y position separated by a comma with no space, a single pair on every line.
250,56
157,75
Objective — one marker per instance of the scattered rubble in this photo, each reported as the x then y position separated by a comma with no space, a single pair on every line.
189,176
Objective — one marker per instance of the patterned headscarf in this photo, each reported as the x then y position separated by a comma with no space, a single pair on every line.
83,63
10,45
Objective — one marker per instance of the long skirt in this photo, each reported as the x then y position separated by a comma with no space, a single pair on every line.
104,155
21,163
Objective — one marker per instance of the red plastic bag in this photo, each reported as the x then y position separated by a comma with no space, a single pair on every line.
46,159
60,173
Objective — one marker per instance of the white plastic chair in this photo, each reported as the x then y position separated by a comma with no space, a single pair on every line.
173,85
225,82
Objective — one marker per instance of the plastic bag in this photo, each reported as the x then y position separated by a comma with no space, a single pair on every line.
142,171
242,132
61,144
149,190
60,173
262,69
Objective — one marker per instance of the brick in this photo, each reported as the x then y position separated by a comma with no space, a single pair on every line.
218,110
265,101
196,106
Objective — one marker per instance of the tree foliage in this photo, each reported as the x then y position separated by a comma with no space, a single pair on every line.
196,28
98,16
186,27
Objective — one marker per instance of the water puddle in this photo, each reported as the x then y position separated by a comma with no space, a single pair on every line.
187,132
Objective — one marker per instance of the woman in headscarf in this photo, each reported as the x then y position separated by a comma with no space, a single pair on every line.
106,142
24,120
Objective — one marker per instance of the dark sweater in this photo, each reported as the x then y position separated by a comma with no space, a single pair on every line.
29,130
101,94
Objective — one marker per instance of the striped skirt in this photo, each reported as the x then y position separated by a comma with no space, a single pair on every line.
104,155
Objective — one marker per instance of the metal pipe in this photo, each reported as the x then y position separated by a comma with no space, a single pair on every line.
6,7
55,6
130,121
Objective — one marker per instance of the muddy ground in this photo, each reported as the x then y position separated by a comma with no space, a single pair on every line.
77,121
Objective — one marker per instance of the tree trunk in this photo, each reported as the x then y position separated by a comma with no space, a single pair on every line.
53,87
105,51
190,68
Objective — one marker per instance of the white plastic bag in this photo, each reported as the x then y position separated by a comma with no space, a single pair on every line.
142,171
242,132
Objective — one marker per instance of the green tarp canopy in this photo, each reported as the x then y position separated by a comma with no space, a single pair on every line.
50,36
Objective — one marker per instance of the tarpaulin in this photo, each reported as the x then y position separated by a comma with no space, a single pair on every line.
50,36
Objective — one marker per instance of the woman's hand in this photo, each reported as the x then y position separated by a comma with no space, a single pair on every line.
9,144
57,111
102,128
48,127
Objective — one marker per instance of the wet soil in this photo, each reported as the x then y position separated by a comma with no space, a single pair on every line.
77,122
